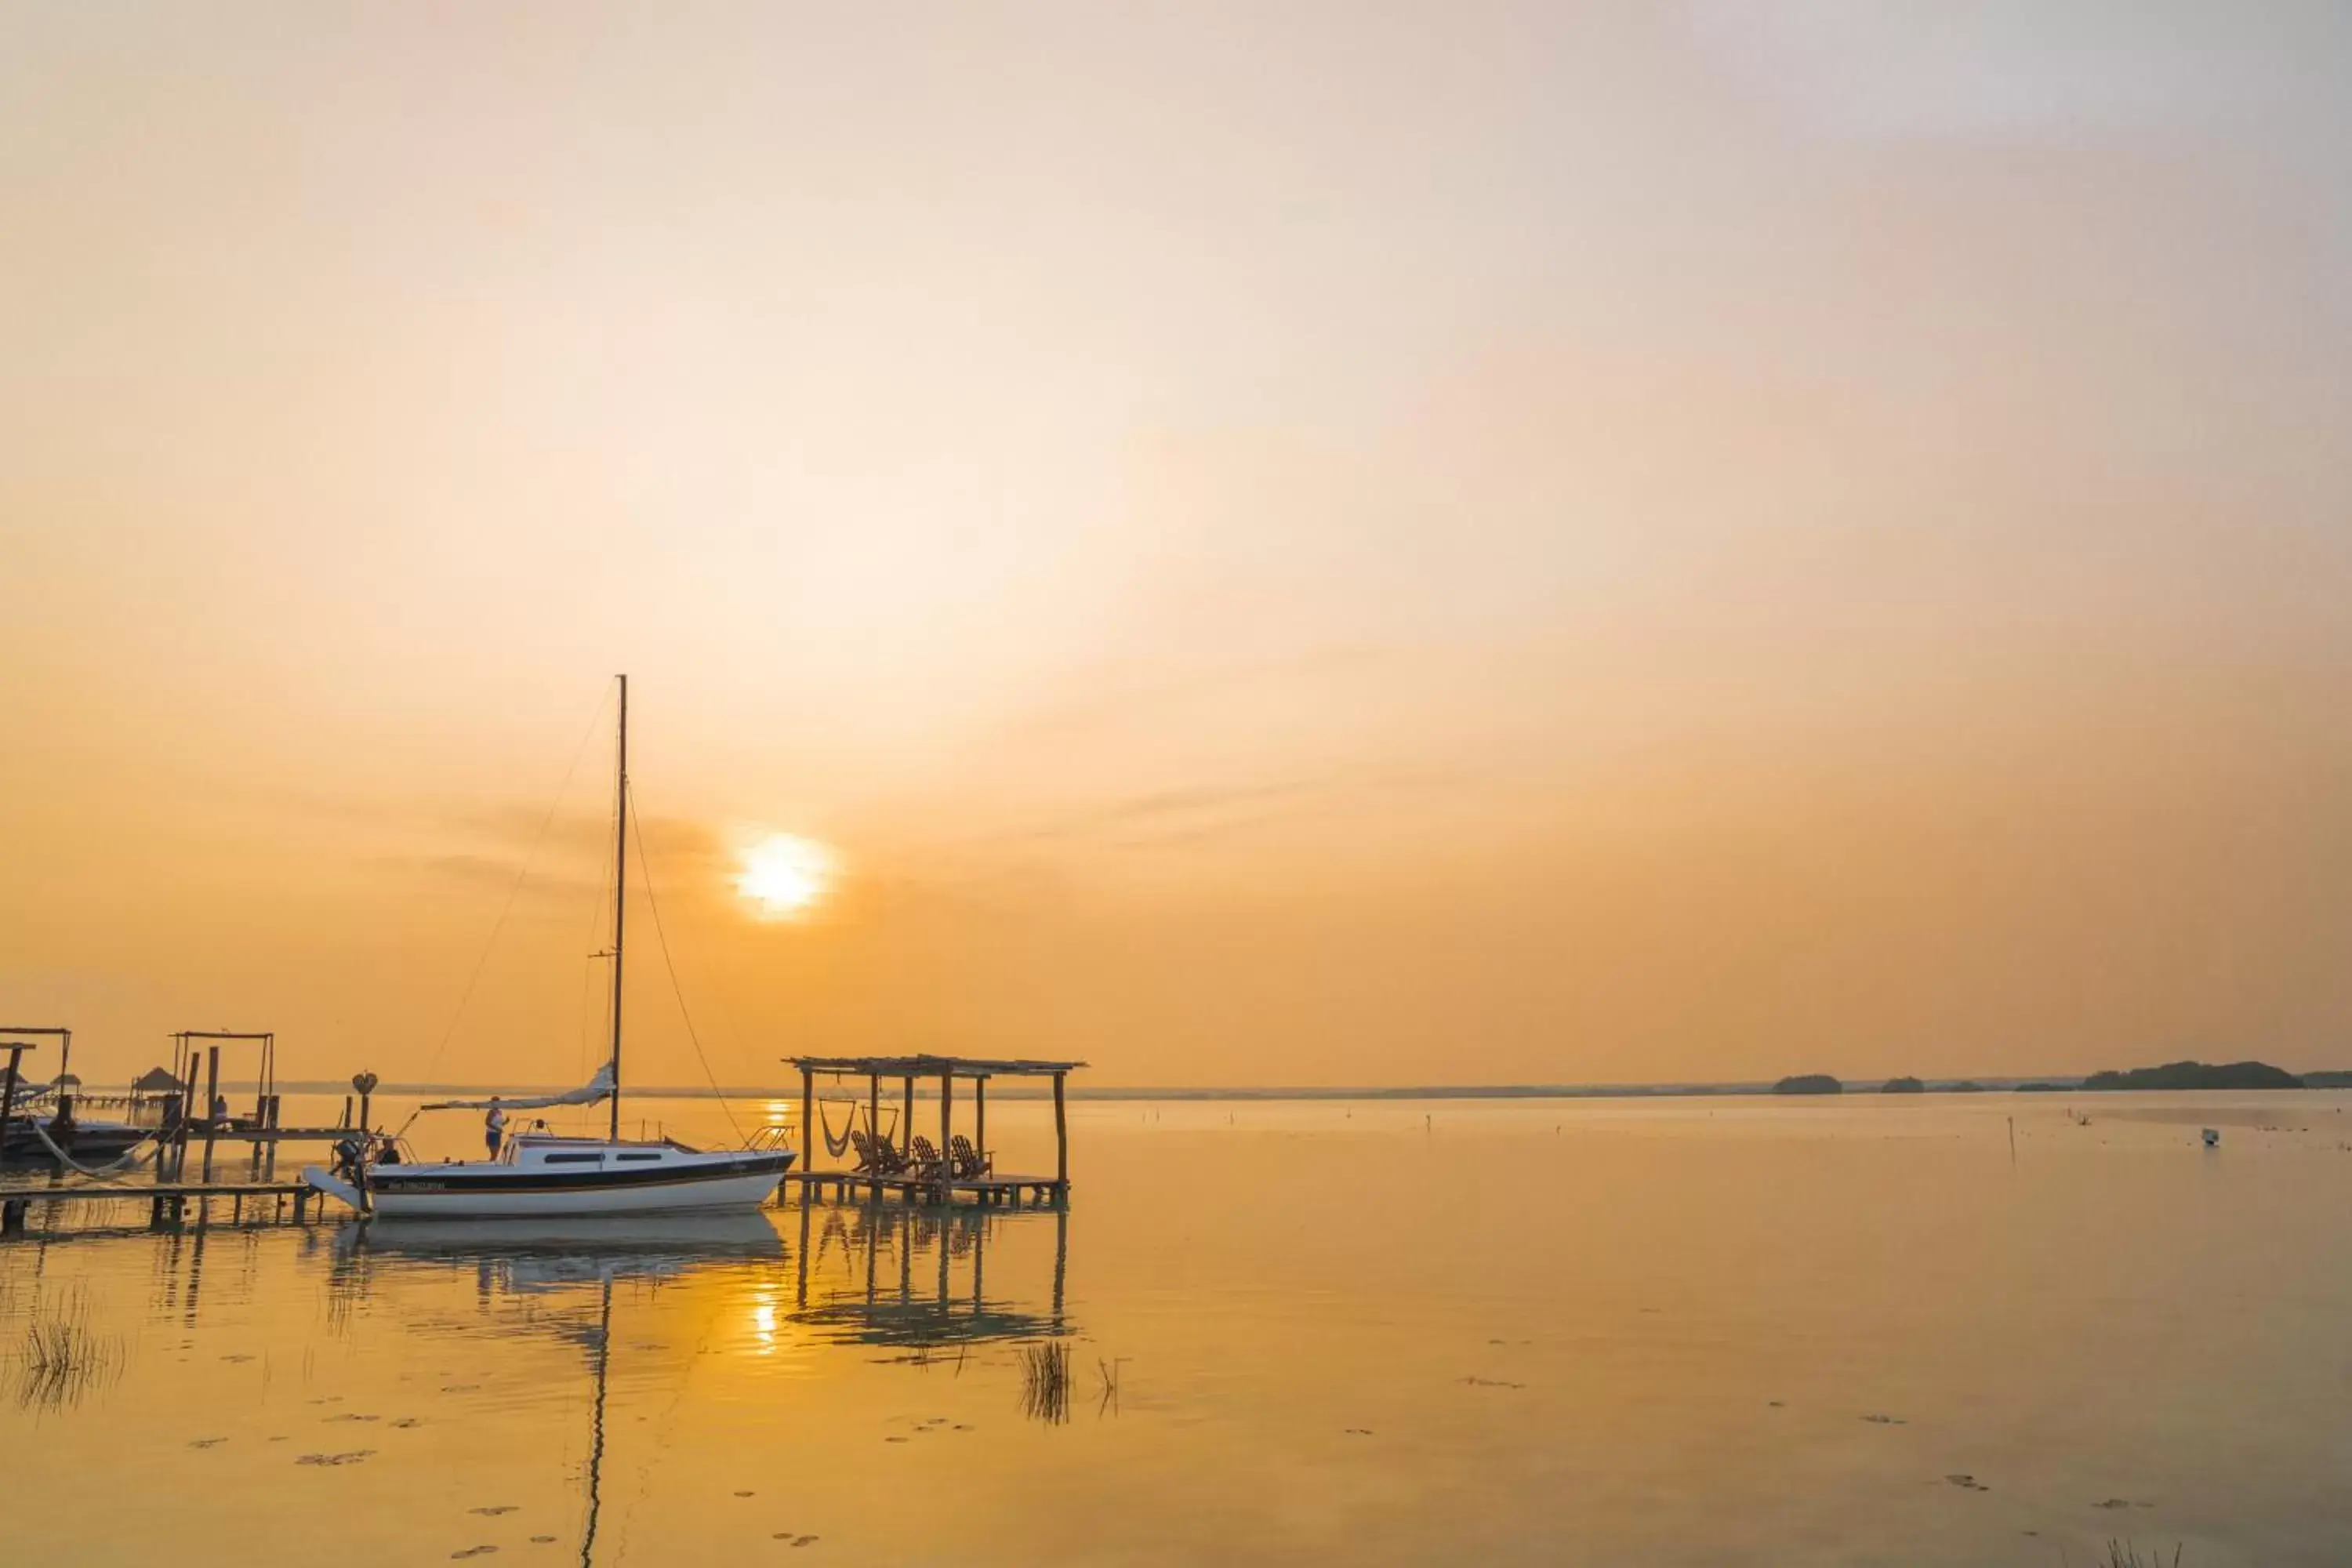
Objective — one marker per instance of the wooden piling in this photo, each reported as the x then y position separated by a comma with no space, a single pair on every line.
808,1120
8,1088
212,1098
1061,1137
874,1121
946,1116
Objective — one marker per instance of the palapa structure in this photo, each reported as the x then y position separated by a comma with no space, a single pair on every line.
939,1180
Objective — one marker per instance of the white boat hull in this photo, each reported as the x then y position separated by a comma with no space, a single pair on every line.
490,1190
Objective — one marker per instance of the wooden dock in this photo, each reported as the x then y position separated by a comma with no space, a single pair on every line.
168,1201
849,1187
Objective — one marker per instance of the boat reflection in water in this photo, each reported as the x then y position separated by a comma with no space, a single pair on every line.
910,1279
531,1257
553,1256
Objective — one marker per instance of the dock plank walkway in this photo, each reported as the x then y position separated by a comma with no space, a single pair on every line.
850,1186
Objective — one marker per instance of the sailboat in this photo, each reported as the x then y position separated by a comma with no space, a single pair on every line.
538,1174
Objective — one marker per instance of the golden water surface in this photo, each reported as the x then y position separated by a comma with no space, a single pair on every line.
1685,1332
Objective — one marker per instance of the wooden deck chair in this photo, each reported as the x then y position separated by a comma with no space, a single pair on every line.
969,1163
875,1158
926,1161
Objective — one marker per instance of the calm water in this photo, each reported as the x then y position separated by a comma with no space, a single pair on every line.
1697,1331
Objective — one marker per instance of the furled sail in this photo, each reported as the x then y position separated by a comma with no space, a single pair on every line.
596,1088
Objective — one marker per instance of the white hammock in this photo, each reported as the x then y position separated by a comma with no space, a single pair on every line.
596,1088
98,1173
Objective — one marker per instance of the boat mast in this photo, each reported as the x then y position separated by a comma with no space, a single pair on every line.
620,895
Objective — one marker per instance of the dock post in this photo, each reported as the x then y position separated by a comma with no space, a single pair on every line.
907,1115
946,1116
1061,1142
980,1121
365,1083
874,1121
8,1089
212,1097
808,1120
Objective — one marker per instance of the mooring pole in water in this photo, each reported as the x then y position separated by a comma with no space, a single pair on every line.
2012,1140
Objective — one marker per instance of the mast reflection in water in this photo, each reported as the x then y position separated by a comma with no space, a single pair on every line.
554,1257
914,1280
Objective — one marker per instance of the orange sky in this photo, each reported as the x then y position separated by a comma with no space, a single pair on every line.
1309,544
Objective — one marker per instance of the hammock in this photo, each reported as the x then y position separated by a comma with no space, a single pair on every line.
98,1173
596,1088
836,1147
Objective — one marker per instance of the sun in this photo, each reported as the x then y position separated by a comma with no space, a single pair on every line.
783,875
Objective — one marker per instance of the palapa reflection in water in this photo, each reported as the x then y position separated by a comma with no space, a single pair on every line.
860,1267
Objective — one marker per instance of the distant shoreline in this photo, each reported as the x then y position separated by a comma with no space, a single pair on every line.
1761,1089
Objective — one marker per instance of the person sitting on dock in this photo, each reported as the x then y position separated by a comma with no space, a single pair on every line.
220,1107
494,1126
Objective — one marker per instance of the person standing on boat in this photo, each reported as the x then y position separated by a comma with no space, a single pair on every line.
494,1126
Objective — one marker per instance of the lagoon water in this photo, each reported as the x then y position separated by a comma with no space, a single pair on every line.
1673,1331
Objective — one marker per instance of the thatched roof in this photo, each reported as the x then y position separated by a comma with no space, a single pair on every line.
66,1081
155,1081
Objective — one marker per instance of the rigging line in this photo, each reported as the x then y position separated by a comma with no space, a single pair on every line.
661,939
506,909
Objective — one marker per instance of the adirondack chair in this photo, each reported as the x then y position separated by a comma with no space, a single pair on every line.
926,1161
968,1162
875,1155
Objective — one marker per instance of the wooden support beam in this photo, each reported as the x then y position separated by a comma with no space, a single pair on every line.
808,1120
980,1119
947,1114
212,1097
1061,1136
8,1089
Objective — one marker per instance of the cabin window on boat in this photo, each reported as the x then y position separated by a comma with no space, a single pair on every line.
573,1159
637,1156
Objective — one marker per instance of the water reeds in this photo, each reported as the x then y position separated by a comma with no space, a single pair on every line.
62,1357
1046,1382
2124,1554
